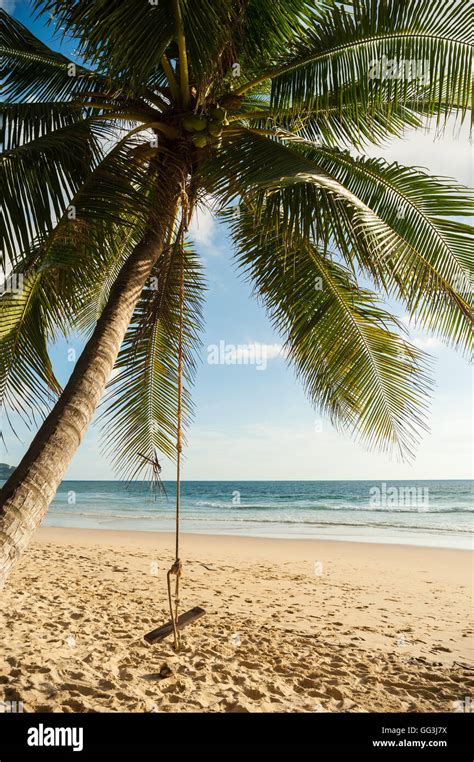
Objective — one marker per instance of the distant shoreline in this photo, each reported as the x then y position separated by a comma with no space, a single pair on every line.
423,542
135,535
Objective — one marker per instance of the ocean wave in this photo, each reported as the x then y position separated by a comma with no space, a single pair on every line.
238,507
131,516
100,518
160,509
317,506
314,522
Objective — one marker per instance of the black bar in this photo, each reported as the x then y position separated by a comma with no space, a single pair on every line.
426,736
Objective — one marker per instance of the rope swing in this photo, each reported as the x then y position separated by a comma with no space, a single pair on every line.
176,567
178,622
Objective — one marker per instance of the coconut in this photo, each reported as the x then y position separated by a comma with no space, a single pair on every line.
200,123
215,129
219,113
188,123
200,141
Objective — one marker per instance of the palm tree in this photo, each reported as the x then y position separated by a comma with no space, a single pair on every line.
264,106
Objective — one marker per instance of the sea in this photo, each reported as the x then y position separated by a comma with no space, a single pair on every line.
427,513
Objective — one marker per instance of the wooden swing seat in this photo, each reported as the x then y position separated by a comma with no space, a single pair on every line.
166,629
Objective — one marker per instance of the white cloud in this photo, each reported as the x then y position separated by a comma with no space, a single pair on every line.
254,353
426,342
203,229
419,338
274,350
244,352
448,155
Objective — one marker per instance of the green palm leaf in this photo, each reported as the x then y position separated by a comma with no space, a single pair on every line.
346,348
32,71
26,122
391,221
128,41
40,178
64,271
141,408
343,124
339,57
27,380
101,140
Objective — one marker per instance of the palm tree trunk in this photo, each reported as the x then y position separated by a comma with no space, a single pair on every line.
25,497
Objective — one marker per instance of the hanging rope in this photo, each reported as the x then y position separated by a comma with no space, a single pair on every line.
176,568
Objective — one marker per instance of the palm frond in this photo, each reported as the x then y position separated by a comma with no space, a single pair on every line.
27,380
52,278
26,122
140,413
119,245
41,177
33,72
127,41
377,51
404,238
341,124
346,348
261,32
391,222
64,270
124,41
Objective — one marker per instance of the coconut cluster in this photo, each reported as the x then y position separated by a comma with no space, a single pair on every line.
206,129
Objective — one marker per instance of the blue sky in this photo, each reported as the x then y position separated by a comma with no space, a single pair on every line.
253,424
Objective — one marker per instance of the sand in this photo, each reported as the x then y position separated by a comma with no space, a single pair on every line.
299,626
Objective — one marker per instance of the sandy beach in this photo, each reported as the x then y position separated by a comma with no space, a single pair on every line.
290,625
